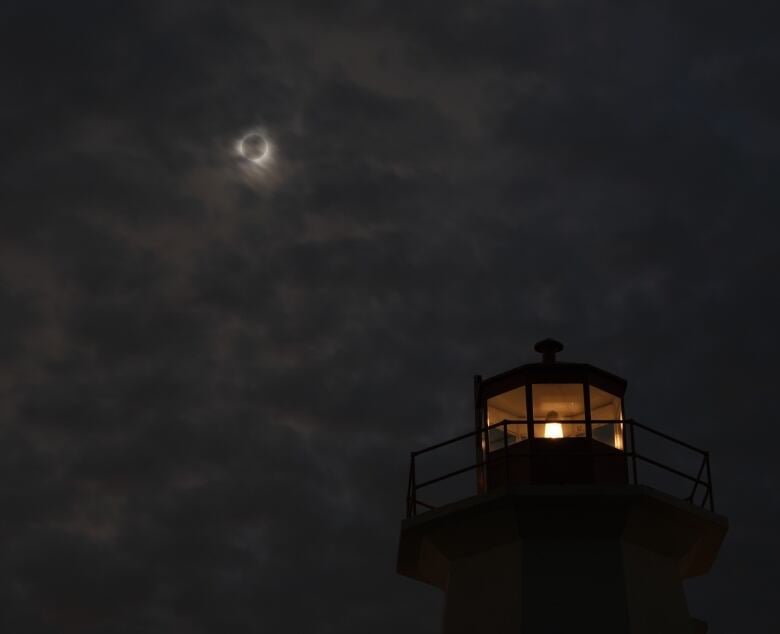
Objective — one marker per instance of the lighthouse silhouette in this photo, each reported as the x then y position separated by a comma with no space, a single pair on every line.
560,514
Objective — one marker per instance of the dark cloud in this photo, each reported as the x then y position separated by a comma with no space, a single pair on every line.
212,375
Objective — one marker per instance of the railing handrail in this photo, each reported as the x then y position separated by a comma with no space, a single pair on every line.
666,436
445,443
629,453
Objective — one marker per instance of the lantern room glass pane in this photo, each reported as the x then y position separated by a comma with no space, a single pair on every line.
554,405
609,433
507,406
606,407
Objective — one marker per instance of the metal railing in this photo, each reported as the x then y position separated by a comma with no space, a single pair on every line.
701,482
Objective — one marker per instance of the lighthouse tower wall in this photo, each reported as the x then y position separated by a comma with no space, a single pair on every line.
536,560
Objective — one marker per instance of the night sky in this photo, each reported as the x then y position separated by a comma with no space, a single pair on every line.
212,371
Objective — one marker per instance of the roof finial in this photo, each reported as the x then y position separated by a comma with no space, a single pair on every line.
548,349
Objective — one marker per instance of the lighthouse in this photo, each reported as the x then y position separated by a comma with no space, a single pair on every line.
560,513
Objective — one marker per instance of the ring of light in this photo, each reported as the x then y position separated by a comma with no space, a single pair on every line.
242,147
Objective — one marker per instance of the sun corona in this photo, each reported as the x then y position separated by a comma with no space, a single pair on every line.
254,147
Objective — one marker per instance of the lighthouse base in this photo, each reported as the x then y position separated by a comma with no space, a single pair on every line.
540,559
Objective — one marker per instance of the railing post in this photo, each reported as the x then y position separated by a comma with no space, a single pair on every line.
412,511
633,452
692,497
506,456
709,483
480,421
409,487
624,446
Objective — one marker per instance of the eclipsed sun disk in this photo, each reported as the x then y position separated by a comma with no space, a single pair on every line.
253,147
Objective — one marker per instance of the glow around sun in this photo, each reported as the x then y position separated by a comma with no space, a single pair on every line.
255,147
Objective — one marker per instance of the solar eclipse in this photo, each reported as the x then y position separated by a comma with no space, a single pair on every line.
254,147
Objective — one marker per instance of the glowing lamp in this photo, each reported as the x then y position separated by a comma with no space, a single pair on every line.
552,426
